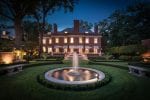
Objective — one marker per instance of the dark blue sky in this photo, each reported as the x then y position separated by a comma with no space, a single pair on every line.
88,10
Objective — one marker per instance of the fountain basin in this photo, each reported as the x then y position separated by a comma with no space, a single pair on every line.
68,76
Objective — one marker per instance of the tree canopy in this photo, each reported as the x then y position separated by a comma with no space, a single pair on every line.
128,26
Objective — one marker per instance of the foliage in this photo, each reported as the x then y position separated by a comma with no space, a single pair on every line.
128,50
85,25
125,57
44,56
127,26
16,10
6,45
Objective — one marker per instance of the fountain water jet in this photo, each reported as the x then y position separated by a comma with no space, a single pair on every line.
75,61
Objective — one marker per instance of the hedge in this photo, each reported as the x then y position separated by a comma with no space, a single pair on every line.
41,79
140,64
129,49
4,71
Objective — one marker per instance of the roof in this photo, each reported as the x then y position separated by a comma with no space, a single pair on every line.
81,30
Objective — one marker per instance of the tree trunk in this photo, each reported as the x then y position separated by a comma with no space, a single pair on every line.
18,33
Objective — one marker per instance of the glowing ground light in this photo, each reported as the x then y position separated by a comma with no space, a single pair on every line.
6,57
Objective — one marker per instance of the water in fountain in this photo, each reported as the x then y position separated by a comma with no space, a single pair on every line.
74,74
75,65
75,61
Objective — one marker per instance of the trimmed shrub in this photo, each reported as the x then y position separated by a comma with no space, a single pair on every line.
128,50
136,58
125,58
140,64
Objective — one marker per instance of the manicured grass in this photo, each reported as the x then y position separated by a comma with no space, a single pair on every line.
125,64
123,86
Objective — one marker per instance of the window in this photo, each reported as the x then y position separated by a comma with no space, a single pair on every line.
71,50
86,50
71,40
44,41
66,32
4,33
80,40
56,40
95,50
44,49
50,41
80,50
95,40
86,40
65,40
65,50
57,50
86,32
49,49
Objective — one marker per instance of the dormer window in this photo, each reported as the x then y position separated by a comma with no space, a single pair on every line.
86,32
4,33
49,33
65,32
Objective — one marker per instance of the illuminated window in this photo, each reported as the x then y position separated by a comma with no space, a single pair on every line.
80,40
65,40
95,50
86,50
71,50
44,41
65,50
56,40
57,50
95,40
86,40
49,49
66,32
50,41
4,33
86,32
44,49
71,40
80,50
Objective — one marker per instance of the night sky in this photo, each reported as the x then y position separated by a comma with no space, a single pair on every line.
88,10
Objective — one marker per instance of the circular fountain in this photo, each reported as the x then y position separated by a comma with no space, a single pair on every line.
74,75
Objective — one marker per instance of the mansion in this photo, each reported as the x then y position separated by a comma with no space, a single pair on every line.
72,40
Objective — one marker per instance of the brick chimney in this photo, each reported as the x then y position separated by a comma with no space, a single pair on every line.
76,26
55,28
96,29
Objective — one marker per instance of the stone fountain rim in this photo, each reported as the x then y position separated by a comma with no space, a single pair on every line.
52,79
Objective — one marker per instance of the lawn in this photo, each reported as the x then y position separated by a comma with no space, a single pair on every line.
24,86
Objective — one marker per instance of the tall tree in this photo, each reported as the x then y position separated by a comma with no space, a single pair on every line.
85,25
15,10
128,26
47,7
